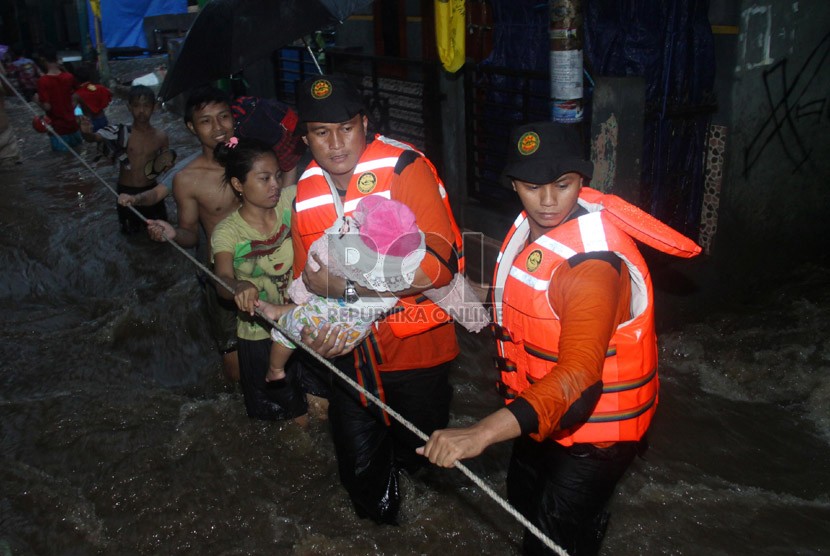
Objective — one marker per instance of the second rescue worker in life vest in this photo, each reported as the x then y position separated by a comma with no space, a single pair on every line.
404,361
575,340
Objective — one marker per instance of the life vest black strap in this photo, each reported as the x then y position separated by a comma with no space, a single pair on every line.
500,333
505,391
451,265
504,365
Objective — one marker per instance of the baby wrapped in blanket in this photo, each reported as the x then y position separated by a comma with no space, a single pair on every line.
379,247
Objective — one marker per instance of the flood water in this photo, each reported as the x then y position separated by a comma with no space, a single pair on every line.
118,434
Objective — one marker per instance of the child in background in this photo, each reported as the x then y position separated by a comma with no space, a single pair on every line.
135,146
379,247
253,254
23,72
54,95
92,97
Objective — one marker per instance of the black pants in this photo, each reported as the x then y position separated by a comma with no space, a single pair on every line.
563,491
272,401
314,378
369,452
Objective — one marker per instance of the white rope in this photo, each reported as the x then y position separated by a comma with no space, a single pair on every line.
326,363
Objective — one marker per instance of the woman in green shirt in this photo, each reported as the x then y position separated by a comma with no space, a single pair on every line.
252,254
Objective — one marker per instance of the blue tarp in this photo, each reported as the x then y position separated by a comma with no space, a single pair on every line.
122,20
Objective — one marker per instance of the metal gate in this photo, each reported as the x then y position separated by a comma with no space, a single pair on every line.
496,99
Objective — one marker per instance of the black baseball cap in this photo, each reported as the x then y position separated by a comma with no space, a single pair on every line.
543,151
329,99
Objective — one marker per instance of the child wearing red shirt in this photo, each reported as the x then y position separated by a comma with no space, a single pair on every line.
54,94
92,97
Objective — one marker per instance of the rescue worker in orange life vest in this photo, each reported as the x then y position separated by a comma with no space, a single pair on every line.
576,345
405,360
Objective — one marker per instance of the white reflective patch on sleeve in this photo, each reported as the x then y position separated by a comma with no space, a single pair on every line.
519,220
399,144
369,165
528,280
313,171
593,232
559,248
349,206
318,201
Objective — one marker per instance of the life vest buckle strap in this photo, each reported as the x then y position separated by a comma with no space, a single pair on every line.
504,365
500,333
505,391
623,415
541,353
622,386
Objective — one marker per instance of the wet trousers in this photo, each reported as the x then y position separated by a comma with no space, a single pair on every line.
221,315
272,401
370,453
563,491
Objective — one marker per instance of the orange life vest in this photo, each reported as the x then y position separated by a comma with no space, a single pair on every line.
528,329
318,205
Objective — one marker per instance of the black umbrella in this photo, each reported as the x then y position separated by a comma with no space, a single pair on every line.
227,35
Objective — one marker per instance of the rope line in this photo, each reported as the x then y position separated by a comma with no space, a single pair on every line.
326,363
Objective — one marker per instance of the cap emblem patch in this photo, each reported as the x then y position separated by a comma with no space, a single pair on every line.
321,89
528,143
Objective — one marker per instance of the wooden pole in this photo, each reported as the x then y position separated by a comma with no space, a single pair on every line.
103,60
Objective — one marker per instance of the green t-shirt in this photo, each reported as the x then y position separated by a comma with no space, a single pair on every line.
263,259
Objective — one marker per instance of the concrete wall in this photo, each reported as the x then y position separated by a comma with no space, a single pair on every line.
776,189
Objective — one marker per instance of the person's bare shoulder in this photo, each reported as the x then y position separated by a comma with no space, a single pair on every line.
185,179
196,178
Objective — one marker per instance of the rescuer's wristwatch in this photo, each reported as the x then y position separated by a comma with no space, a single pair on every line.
350,293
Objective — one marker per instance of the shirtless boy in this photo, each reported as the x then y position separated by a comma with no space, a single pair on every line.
144,144
203,200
